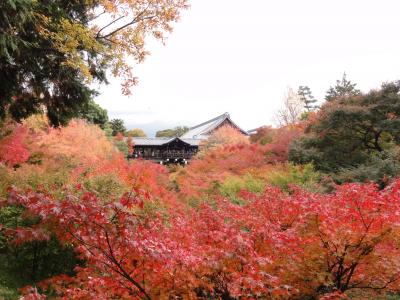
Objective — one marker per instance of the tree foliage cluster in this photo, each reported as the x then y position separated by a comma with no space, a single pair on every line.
174,132
117,127
136,132
297,106
354,137
36,155
50,51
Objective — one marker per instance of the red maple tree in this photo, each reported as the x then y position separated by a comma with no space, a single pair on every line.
13,150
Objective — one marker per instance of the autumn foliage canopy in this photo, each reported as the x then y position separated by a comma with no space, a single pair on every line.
274,246
238,222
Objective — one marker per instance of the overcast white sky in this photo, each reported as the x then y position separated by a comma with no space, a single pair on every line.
239,57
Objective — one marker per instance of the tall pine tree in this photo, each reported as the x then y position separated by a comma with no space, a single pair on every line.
307,98
343,88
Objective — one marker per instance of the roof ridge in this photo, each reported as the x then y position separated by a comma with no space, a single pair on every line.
214,126
211,120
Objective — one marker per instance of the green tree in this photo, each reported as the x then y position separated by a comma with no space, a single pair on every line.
136,132
177,131
51,51
343,88
307,98
94,113
353,132
117,126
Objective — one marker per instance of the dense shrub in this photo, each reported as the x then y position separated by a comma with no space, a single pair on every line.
203,176
288,175
277,140
380,168
232,185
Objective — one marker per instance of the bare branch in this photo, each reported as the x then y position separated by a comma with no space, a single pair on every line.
108,25
135,20
126,25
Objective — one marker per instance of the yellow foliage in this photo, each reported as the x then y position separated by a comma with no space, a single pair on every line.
69,38
112,36
37,124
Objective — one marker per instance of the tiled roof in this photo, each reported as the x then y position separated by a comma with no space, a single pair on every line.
158,141
151,141
203,130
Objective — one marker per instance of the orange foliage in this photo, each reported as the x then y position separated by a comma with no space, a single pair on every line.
220,160
278,140
225,135
79,142
130,144
199,177
61,157
135,175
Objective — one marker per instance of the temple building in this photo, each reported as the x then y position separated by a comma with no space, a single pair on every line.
183,148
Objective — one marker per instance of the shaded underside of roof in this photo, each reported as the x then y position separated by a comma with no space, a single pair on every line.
192,142
202,130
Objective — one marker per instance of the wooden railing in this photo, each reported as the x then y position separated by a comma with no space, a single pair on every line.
165,155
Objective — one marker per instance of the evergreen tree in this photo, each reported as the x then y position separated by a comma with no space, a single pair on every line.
307,97
356,133
117,126
343,88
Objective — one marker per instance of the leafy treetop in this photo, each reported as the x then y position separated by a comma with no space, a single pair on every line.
177,131
136,132
343,88
94,113
117,126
